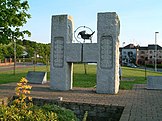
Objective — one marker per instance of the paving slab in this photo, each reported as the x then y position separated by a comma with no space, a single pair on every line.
139,104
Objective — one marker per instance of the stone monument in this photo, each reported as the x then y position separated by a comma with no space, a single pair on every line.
105,53
36,77
60,69
154,82
108,30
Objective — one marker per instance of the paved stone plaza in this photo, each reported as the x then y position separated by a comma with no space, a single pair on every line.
140,104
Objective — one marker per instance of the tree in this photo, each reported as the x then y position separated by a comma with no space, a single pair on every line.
19,50
5,51
43,50
30,47
10,51
13,15
1,52
30,52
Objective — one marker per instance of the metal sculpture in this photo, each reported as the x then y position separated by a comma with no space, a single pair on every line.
84,33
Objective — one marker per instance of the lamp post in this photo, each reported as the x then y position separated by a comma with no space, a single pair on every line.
156,51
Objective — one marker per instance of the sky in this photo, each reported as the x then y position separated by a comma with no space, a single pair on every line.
139,19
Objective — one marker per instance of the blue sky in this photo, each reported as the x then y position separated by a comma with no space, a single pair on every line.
139,19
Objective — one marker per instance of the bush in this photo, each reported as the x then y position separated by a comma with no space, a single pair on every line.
19,110
152,65
13,113
62,113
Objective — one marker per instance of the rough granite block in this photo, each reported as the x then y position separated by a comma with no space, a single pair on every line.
36,77
108,28
154,82
73,52
60,70
90,52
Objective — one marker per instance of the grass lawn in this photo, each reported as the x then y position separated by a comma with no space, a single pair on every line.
84,80
130,76
7,76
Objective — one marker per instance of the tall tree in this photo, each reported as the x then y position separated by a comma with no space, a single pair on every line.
1,52
13,15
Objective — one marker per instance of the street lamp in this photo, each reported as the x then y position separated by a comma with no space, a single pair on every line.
156,51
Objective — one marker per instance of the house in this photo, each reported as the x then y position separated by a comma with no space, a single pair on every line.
129,54
148,54
140,55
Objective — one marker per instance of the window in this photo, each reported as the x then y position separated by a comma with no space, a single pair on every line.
142,52
142,57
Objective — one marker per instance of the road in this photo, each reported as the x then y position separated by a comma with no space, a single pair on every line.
151,69
11,67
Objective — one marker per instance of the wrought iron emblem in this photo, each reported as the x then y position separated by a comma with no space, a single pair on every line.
83,33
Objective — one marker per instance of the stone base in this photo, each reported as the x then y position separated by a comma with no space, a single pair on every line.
36,77
154,82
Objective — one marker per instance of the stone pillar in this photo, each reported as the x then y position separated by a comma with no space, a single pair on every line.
60,69
108,28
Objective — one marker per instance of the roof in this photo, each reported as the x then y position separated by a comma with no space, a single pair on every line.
130,46
143,48
152,47
149,47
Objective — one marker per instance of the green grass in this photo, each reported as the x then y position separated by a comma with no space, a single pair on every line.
7,76
130,76
84,80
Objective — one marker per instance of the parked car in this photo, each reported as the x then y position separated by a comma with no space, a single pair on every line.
131,65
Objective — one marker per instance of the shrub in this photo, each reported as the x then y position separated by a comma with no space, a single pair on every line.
152,65
62,113
13,113
19,110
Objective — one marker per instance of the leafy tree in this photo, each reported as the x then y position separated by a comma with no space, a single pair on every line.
1,52
4,51
26,42
47,51
19,50
10,51
30,51
13,15
43,50
19,42
30,47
